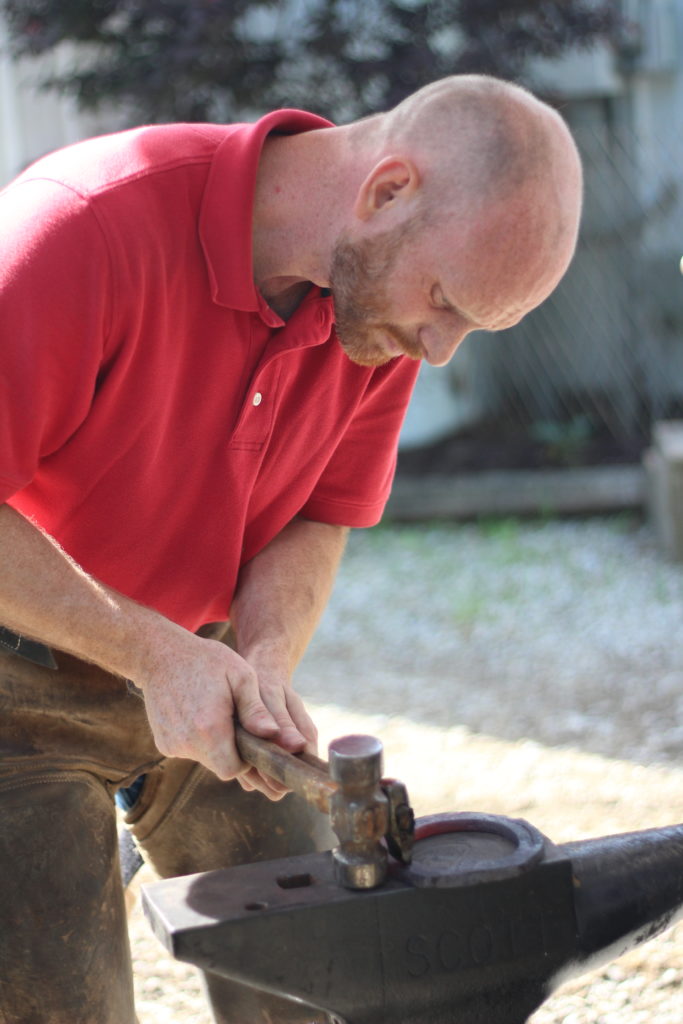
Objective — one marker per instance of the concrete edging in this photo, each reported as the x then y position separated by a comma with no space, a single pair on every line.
589,489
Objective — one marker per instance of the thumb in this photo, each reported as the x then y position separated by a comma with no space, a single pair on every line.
254,716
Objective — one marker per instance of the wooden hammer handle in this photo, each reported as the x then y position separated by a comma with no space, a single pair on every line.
304,774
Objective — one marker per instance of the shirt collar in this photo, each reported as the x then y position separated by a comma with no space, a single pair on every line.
225,221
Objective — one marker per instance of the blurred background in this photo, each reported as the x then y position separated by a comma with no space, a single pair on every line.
513,630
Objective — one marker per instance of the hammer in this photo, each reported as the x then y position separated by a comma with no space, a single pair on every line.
366,811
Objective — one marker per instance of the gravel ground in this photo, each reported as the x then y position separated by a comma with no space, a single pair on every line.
529,669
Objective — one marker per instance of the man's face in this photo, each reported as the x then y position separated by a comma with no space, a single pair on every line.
420,288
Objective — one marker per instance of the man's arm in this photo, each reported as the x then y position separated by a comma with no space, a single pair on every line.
193,687
280,597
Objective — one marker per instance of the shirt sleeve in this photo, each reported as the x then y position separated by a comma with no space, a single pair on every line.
355,485
53,265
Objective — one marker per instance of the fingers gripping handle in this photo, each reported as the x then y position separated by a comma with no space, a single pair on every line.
304,774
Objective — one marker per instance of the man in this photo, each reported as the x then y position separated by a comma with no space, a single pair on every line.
186,440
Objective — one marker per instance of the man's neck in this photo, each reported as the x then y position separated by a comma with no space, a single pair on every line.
299,210
285,299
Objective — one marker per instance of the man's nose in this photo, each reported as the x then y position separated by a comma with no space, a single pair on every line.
440,342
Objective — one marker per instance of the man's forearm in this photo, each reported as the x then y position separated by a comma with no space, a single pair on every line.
283,591
194,688
45,595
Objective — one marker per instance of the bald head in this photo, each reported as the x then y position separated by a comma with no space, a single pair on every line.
478,141
489,133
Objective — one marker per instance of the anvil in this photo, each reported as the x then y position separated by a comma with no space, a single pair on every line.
484,924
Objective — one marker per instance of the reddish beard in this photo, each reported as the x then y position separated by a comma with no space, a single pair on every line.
358,278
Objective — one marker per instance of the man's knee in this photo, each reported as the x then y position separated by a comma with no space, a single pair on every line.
188,820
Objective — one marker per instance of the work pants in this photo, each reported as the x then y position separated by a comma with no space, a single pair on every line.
69,738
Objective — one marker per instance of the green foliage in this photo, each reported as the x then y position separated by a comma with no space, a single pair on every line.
213,59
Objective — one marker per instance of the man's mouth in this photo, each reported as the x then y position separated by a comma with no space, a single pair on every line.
391,346
395,345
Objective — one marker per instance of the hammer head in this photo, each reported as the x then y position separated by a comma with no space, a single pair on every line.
359,811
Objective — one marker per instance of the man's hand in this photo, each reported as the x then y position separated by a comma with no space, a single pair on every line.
296,730
196,692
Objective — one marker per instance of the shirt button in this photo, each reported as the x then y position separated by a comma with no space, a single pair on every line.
257,399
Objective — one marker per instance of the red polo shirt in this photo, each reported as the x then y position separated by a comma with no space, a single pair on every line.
156,416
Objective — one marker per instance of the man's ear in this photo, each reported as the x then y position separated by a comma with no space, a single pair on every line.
393,179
